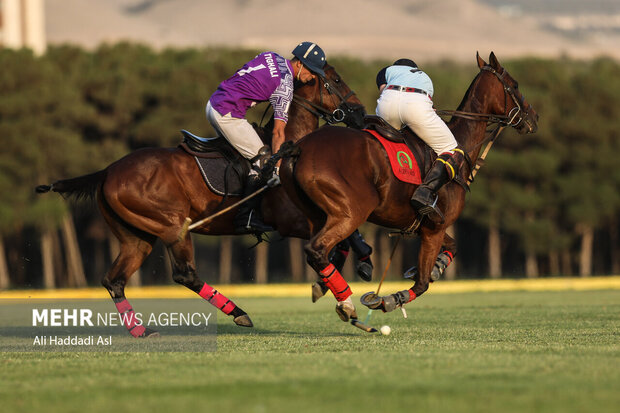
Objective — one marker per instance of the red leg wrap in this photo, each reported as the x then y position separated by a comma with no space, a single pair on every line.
449,254
336,284
216,299
412,296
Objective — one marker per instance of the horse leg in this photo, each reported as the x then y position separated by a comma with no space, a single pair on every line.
338,257
317,251
134,249
429,250
362,252
184,273
444,259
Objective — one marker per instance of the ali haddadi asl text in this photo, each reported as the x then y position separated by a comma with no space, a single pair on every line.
72,341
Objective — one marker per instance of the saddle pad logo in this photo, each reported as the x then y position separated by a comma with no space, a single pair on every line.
403,162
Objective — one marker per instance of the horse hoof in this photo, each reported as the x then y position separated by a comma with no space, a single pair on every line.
371,300
318,291
243,321
148,333
346,310
364,271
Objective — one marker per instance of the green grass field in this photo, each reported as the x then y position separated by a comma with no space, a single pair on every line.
484,352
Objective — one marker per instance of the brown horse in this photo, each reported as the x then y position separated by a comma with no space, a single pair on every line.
149,193
342,178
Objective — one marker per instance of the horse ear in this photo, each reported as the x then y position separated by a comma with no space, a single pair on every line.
494,62
481,62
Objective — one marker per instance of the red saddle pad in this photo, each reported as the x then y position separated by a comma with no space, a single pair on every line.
404,164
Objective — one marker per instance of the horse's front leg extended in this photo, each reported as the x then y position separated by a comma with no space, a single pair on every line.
431,245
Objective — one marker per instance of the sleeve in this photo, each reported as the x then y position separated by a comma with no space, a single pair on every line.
381,80
282,97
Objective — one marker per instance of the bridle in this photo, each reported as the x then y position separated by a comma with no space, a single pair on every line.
512,118
343,110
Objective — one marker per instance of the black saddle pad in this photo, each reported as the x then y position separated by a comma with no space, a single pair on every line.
222,168
220,176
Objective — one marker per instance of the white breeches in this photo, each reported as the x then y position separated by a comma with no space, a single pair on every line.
237,131
416,111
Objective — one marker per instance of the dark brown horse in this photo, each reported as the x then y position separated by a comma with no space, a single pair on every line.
149,193
343,178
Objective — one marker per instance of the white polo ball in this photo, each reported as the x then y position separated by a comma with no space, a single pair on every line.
385,330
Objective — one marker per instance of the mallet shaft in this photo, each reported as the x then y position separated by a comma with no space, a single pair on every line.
363,326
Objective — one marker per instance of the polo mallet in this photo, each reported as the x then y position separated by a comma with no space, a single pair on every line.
385,271
188,226
355,322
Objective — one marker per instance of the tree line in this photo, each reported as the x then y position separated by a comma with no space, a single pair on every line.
543,204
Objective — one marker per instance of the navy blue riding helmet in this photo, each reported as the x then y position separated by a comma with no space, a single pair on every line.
312,56
404,62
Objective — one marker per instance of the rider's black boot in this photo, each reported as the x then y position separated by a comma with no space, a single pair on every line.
445,168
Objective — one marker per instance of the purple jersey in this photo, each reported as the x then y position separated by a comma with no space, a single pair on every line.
267,77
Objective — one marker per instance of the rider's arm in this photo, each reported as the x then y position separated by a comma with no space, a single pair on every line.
278,135
281,101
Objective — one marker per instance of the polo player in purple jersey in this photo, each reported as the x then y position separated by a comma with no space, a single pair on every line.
267,77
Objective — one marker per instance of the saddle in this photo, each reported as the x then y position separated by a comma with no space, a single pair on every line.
222,167
423,154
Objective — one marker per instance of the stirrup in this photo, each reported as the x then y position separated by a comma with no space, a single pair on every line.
428,210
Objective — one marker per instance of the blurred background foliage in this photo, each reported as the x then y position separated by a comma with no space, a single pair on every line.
544,204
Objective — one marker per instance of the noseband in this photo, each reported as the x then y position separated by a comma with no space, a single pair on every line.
341,112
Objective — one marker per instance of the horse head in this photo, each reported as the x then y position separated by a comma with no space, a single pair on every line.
505,98
332,99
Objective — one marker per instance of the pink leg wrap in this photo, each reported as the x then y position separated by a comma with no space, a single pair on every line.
336,284
216,299
128,316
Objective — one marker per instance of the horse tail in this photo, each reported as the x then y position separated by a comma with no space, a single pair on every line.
81,187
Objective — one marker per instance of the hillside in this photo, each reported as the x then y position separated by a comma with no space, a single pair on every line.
366,28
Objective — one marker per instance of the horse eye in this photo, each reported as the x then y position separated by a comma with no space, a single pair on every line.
337,80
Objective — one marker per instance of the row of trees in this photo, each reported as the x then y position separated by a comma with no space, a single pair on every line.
543,204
